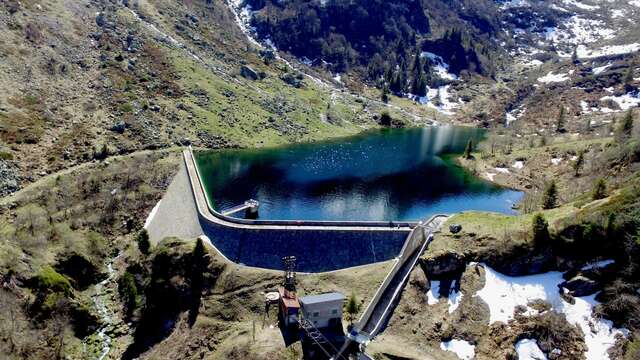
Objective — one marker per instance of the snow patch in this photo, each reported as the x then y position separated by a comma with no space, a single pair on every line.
504,293
528,349
616,13
551,78
518,165
556,161
453,299
433,295
599,69
490,176
580,5
502,170
514,115
463,349
577,30
597,264
625,101
585,53
441,68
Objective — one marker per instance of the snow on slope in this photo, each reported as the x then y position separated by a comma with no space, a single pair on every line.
463,349
504,293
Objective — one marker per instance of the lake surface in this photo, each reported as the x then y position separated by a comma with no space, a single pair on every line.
382,175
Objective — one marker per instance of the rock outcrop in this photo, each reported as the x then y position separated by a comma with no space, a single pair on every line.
581,286
443,263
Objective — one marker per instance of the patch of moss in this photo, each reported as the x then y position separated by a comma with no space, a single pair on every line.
51,281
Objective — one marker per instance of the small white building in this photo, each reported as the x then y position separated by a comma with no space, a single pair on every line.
323,310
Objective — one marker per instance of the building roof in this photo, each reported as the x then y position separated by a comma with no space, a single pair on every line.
288,302
320,298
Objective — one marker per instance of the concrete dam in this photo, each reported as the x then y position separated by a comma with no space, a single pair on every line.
319,246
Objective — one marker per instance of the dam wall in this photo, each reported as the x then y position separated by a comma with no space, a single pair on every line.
319,246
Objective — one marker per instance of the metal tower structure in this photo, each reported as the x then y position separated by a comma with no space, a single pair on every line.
289,283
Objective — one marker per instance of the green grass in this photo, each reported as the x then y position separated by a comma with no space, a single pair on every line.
50,280
240,111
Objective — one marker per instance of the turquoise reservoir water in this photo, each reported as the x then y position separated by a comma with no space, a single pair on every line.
382,175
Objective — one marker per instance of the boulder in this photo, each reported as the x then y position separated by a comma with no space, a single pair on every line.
443,263
455,228
295,80
581,286
248,73
419,280
118,127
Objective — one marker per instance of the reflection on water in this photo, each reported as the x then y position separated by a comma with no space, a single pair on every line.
397,174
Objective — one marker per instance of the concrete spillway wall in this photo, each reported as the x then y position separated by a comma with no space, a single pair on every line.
318,245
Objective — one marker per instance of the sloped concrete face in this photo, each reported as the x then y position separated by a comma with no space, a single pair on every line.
177,214
315,250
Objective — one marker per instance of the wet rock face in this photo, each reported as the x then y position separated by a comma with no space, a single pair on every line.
581,286
443,263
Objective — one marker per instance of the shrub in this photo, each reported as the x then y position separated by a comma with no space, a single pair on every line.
143,241
633,349
625,128
550,197
352,307
385,119
126,108
128,292
599,189
540,229
577,166
561,120
6,155
51,281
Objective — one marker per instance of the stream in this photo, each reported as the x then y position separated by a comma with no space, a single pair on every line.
106,316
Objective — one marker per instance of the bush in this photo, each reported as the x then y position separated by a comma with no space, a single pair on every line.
143,241
599,189
352,307
52,281
550,197
540,229
128,292
633,350
625,128
385,119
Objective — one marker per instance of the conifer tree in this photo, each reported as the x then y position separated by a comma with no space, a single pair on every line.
574,56
599,189
143,241
550,196
540,229
625,128
577,166
561,120
352,307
